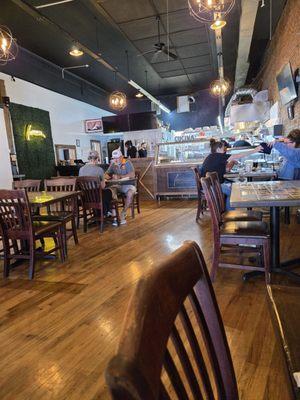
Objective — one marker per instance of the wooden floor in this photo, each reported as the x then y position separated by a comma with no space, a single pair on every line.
58,332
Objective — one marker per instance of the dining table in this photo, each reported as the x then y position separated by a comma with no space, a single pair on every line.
45,199
274,195
250,175
121,181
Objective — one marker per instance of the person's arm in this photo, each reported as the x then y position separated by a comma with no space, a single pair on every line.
244,154
290,153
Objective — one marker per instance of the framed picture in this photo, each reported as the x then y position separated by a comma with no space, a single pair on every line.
93,125
77,143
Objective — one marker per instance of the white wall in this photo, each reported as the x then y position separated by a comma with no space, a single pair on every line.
66,115
5,169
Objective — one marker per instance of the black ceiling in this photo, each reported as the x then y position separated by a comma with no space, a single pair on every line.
110,27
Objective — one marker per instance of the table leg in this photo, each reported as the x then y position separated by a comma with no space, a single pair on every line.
275,236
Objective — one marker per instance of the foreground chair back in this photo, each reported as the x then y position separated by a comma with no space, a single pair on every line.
167,307
16,224
30,185
201,198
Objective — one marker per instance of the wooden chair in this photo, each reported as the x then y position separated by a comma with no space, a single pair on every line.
201,198
64,212
161,312
234,233
17,225
136,197
92,204
30,185
232,215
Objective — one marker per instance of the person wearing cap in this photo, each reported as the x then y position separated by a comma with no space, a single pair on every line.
122,168
93,169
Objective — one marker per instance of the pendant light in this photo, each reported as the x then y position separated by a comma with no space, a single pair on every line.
220,87
8,46
117,99
211,11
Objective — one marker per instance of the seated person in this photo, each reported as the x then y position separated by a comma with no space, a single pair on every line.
91,168
243,141
290,150
131,150
220,162
122,168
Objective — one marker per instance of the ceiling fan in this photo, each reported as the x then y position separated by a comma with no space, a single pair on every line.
159,48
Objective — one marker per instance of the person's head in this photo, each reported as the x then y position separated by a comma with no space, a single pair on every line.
217,147
128,144
143,145
117,155
293,138
93,157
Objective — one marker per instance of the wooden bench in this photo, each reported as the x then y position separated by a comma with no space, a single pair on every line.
285,307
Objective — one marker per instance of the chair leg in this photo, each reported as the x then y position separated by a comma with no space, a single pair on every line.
101,220
215,260
267,260
84,221
60,238
199,209
31,260
6,259
117,213
132,208
138,203
74,230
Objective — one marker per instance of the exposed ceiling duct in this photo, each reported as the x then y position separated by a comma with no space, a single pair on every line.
249,11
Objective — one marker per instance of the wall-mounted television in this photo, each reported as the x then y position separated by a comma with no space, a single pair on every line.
130,122
116,123
143,121
286,85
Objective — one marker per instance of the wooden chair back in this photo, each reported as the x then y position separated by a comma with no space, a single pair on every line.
15,215
161,351
60,185
212,201
198,181
217,189
30,185
91,192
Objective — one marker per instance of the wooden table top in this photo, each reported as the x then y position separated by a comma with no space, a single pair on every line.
129,181
285,305
265,194
252,174
42,199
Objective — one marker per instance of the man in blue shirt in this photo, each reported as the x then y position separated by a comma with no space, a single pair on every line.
290,150
122,168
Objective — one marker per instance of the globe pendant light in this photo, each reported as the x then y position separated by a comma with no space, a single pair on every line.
8,46
117,100
220,87
206,10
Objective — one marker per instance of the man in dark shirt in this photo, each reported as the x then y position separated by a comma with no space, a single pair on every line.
131,150
220,162
143,150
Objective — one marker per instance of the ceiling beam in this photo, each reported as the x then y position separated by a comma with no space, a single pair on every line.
248,16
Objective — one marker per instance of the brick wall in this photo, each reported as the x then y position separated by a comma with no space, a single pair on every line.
284,47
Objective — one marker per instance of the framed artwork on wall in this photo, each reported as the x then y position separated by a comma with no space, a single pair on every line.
93,125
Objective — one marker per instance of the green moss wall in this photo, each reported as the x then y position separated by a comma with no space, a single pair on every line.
35,157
